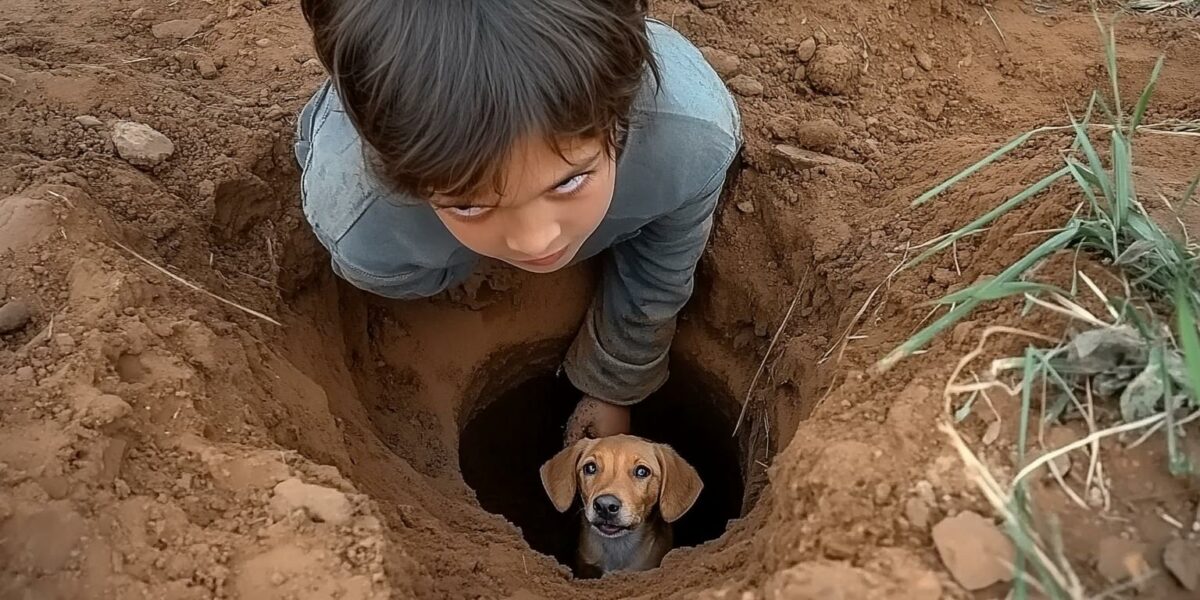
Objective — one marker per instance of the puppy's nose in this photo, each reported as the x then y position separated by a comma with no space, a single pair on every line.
607,505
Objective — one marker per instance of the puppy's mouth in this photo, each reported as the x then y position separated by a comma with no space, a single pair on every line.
610,530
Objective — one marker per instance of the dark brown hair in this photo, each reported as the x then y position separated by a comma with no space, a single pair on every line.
442,90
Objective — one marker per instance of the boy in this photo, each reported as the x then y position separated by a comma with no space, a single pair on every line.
536,132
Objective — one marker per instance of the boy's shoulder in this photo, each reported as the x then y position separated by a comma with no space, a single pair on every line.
688,87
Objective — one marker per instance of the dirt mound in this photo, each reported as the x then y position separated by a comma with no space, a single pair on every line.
194,407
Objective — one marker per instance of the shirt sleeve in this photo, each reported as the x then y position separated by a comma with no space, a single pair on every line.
620,353
407,283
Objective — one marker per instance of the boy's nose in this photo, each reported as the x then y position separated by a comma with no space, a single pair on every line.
536,241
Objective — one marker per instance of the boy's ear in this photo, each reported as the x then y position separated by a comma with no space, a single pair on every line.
560,474
680,483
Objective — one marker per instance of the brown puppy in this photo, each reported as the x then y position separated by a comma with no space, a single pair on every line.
632,490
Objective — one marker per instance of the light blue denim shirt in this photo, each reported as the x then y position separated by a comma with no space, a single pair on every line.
685,133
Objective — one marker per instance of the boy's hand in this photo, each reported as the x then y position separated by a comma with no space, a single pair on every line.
596,418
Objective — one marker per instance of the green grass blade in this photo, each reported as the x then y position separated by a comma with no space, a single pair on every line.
1191,189
1189,340
1012,288
923,337
1122,168
971,170
988,217
1094,162
1110,55
1140,110
1086,182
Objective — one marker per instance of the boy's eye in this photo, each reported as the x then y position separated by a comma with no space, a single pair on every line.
571,185
468,211
590,469
641,472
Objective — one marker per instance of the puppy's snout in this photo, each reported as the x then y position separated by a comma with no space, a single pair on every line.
607,506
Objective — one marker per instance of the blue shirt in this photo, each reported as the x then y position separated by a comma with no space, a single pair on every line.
684,134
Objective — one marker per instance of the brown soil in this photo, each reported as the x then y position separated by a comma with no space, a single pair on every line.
146,426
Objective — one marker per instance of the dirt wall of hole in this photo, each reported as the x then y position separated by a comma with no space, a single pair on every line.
403,379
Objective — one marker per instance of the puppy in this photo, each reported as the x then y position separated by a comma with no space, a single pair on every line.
632,490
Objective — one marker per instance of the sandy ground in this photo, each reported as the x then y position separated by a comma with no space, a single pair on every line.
156,442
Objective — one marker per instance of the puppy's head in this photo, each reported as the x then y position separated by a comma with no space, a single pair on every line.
621,479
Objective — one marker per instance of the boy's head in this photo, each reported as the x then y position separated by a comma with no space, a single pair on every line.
505,115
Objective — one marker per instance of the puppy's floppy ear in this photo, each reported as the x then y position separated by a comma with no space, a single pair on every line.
559,476
680,483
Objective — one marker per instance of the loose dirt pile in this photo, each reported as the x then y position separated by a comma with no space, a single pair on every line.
158,443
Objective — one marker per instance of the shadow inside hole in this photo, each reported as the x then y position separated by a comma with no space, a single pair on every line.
504,444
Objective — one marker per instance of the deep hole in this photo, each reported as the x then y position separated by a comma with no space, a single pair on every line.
504,443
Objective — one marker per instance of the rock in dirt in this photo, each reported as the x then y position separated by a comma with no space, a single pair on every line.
834,70
178,29
1119,559
819,134
708,3
806,49
974,550
924,60
101,409
788,156
917,512
89,121
1182,560
25,220
746,207
14,315
206,67
140,144
321,503
724,63
745,85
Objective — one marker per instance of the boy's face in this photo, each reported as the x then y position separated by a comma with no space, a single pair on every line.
549,205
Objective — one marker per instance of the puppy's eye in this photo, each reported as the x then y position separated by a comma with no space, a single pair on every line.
641,472
590,469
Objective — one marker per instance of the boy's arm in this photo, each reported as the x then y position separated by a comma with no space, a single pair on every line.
620,353
408,283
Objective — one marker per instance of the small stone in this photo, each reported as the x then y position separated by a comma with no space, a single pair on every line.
206,67
834,70
974,550
140,144
924,60
753,51
278,579
64,342
820,134
708,3
14,315
782,128
883,492
263,43
746,207
908,72
25,374
321,503
178,29
1182,560
744,85
89,122
806,49
138,14
789,156
724,63
102,409
924,491
1119,559
917,512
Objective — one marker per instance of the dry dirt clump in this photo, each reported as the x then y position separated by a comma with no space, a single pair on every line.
290,437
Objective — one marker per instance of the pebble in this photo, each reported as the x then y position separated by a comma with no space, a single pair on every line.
25,374
89,121
708,3
924,60
806,49
908,72
14,315
206,67
782,128
834,70
724,63
263,43
744,85
1119,559
141,144
1182,560
800,159
917,512
974,550
754,51
746,207
178,29
321,503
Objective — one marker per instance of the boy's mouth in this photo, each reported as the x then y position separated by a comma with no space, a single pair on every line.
547,260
